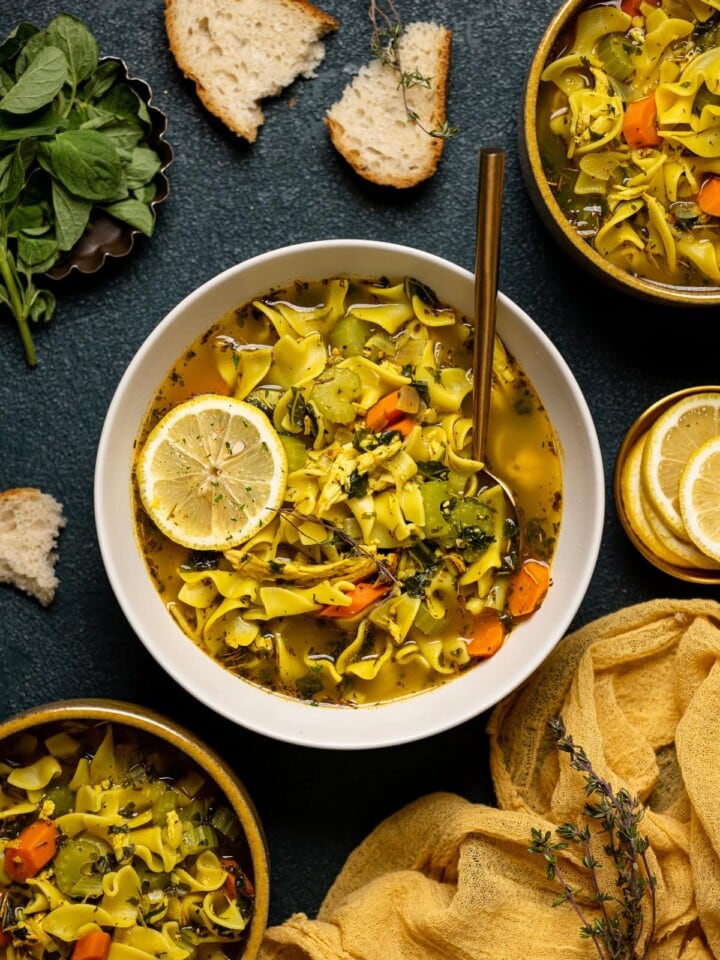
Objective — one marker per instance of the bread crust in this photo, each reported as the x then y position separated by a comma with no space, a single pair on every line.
244,117
30,522
390,171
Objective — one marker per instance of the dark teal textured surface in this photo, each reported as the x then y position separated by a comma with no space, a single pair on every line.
229,201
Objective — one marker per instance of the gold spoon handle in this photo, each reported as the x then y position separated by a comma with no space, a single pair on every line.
491,170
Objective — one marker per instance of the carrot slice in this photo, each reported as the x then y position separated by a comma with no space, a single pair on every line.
632,7
640,123
92,946
34,847
708,199
237,881
487,635
392,407
528,587
361,596
404,426
385,412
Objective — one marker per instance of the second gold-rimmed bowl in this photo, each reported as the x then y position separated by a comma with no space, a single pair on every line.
80,723
535,173
643,423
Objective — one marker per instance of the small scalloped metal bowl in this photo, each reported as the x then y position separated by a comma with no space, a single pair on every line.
643,423
120,714
550,211
107,237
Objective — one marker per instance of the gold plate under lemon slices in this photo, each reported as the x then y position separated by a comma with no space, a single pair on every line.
667,484
212,472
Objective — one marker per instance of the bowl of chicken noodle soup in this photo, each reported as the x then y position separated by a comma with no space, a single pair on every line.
122,836
621,143
298,533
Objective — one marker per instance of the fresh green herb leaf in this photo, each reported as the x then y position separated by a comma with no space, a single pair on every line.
43,124
134,212
14,43
12,176
36,253
144,164
87,164
77,43
71,216
73,144
100,81
357,485
42,82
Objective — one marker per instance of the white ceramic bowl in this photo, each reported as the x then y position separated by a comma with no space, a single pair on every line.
325,725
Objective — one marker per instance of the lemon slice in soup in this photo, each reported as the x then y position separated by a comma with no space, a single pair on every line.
212,472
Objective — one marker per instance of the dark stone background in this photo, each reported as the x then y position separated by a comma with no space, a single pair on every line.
229,201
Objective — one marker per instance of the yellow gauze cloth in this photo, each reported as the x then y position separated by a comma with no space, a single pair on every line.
446,879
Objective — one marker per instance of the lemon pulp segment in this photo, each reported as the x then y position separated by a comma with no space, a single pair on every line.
212,472
699,497
671,441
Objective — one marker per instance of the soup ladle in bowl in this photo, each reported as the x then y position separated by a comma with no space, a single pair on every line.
491,171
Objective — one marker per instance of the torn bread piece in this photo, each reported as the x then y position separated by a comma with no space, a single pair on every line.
238,52
370,125
30,522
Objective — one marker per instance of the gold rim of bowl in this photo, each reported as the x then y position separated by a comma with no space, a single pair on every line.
548,207
164,729
643,423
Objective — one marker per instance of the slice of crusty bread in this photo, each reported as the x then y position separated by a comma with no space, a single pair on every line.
30,522
369,124
240,51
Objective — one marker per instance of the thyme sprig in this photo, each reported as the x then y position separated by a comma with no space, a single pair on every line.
387,28
617,931
296,517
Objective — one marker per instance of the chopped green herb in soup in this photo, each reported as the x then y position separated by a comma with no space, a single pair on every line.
388,568
629,133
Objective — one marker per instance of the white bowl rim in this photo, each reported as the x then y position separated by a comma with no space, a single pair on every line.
326,725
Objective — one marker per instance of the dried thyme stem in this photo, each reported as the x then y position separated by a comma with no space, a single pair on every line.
615,935
387,28
296,516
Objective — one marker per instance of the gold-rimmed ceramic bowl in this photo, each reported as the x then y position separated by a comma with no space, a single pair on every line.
536,172
157,741
643,423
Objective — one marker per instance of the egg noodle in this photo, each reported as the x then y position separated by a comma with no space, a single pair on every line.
633,189
370,579
139,849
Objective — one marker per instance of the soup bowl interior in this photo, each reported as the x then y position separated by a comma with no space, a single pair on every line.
414,716
545,202
130,722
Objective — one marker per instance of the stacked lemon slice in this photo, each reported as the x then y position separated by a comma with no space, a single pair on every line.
670,484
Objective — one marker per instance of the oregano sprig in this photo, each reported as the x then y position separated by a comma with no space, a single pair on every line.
387,29
617,931
74,140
